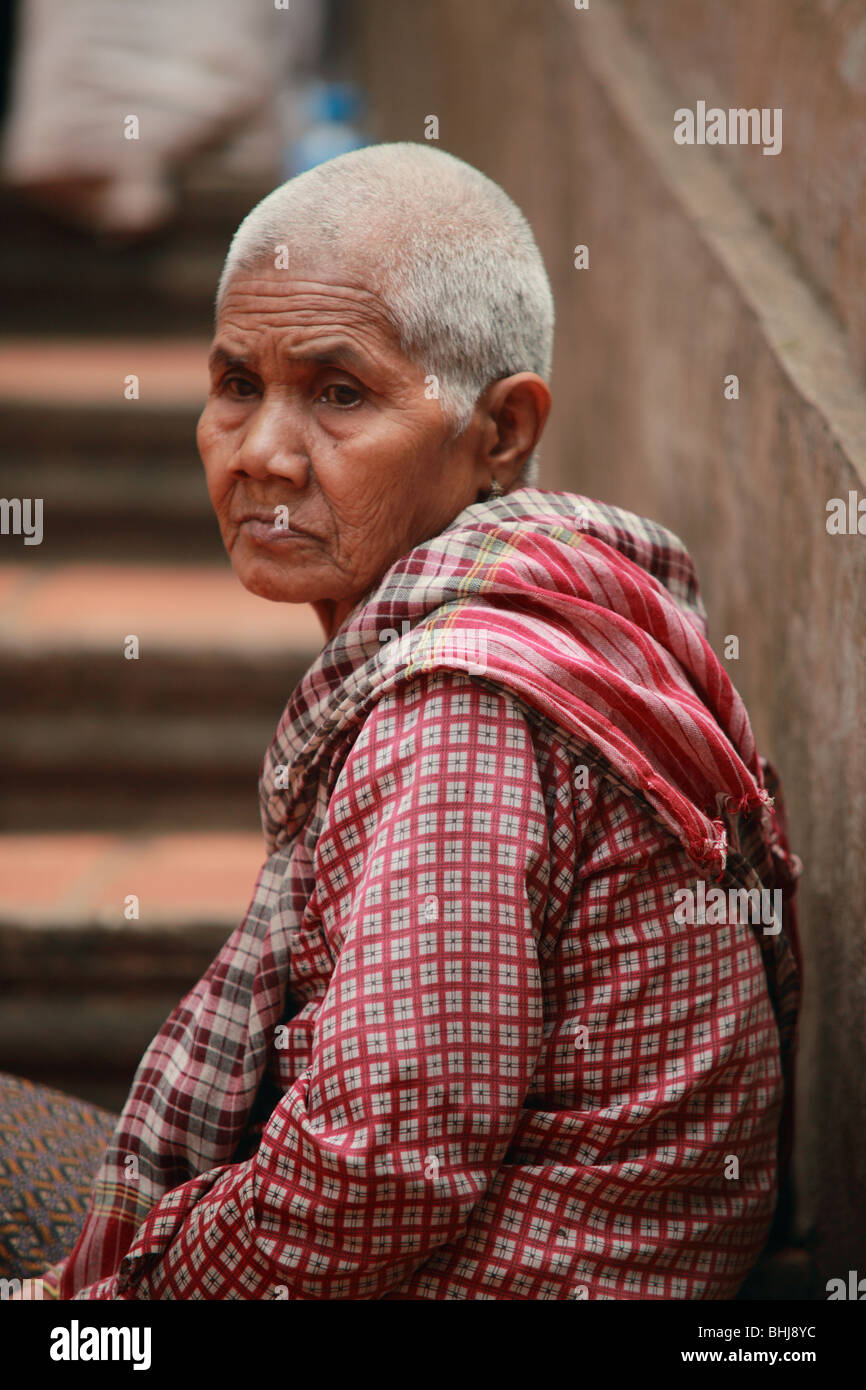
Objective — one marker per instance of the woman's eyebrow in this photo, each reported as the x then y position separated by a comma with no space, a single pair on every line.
221,357
331,354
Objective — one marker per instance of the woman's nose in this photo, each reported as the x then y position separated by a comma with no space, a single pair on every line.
274,443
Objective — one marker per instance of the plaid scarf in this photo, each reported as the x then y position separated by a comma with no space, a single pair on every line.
589,617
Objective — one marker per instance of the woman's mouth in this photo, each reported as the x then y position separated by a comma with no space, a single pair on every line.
270,531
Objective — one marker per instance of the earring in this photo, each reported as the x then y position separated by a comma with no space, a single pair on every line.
496,489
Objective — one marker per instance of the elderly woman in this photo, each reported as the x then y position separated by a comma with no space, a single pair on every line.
480,1034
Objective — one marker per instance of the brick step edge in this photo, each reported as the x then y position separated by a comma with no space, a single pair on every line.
99,900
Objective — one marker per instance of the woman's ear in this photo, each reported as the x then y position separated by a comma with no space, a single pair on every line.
518,407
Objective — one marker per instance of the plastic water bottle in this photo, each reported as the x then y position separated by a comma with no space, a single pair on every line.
329,115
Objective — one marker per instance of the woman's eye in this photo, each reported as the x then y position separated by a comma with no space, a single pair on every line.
239,386
346,395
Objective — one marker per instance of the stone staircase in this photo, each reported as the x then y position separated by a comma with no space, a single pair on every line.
122,777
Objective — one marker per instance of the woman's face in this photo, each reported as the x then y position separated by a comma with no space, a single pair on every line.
325,459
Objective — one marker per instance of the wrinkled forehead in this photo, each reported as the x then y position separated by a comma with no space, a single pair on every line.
315,312
298,282
298,254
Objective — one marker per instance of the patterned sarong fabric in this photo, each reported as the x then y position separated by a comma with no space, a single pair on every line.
50,1148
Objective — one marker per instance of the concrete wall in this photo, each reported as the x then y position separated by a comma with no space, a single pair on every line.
705,262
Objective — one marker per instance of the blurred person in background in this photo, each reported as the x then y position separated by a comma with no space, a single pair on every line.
110,100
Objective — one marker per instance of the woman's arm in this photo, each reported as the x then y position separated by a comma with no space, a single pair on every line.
431,886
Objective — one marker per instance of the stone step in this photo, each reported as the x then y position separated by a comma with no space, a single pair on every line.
53,278
84,988
117,477
175,737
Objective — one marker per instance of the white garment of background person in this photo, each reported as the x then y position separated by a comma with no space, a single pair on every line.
192,74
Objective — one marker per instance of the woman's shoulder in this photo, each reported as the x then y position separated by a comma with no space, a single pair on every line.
464,722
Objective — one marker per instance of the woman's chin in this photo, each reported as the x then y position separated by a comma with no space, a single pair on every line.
268,580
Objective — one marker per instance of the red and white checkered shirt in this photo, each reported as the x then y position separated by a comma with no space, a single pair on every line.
513,1075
